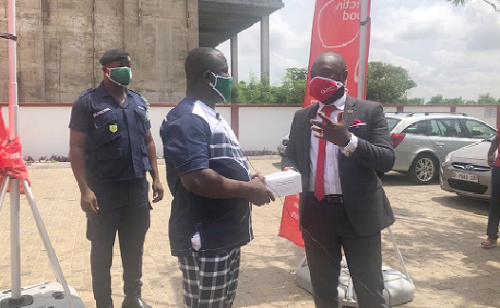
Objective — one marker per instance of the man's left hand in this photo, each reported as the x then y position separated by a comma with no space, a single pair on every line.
336,133
157,191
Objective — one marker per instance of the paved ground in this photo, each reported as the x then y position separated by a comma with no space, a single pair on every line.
438,233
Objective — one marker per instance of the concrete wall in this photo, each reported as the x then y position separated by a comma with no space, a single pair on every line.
44,130
61,41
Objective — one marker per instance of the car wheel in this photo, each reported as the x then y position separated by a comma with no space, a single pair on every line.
425,169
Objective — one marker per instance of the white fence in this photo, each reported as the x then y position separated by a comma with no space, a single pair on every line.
44,129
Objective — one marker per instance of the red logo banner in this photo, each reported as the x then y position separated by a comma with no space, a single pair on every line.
336,27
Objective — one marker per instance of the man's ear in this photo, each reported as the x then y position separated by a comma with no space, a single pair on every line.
344,76
104,69
208,77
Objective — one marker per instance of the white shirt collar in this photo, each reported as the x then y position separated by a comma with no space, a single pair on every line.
206,108
340,103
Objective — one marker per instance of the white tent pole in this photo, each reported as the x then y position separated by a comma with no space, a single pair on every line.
362,49
15,246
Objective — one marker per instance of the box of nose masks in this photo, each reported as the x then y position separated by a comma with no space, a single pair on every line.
284,183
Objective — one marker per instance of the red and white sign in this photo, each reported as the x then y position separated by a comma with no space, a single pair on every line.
336,27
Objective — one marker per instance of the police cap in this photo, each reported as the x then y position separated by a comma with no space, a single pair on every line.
115,55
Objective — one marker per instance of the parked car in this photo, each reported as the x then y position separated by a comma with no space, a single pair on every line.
421,141
283,145
466,171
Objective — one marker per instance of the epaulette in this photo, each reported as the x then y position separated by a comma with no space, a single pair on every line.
143,99
87,92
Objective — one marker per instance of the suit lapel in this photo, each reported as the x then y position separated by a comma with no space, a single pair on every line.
307,130
349,115
349,111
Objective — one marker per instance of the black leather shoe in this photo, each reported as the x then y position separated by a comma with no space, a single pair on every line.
135,302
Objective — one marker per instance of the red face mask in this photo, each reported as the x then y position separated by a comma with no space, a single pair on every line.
323,89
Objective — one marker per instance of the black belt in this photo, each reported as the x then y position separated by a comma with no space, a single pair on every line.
334,199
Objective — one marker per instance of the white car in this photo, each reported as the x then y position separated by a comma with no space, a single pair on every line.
421,141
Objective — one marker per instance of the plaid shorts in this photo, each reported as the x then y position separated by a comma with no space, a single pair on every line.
210,282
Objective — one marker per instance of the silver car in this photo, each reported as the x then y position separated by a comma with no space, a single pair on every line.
421,141
466,171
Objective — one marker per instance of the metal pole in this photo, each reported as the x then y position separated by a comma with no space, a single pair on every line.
362,49
54,263
15,230
400,256
3,192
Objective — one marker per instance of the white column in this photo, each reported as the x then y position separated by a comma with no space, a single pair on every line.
264,47
234,58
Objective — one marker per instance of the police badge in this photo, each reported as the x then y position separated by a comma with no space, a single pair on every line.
113,128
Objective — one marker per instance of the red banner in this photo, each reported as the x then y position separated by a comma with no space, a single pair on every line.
289,227
336,27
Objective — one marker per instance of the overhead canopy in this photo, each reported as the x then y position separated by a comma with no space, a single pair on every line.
221,19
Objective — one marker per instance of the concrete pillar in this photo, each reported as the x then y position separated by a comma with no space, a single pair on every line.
264,48
234,58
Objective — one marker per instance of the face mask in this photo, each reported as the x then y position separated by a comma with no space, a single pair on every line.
223,86
324,89
122,76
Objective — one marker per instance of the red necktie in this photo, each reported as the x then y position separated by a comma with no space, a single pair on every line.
319,184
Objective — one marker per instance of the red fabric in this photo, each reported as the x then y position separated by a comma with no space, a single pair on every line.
289,227
323,88
336,28
319,184
11,158
356,122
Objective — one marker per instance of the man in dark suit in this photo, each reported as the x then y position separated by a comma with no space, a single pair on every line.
338,145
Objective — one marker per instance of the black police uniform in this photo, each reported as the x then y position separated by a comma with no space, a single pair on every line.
117,161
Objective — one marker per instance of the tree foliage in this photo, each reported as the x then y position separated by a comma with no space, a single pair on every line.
462,2
387,83
291,92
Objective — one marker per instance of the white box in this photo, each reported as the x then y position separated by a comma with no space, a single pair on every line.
284,183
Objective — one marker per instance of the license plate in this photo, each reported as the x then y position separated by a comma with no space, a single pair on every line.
465,176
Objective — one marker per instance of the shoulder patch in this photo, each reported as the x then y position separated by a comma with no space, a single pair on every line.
146,103
87,92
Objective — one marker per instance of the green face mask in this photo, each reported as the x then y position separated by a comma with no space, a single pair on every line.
122,76
223,86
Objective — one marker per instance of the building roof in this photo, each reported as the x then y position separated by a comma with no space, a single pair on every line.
219,20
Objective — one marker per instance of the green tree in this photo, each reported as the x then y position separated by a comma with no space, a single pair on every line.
411,101
291,91
387,83
462,2
454,101
486,99
436,100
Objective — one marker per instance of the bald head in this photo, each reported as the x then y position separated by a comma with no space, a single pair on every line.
202,66
330,65
203,60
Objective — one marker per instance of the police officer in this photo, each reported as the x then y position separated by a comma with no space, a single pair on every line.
111,148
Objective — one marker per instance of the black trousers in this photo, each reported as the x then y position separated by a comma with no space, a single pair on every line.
124,208
326,228
494,215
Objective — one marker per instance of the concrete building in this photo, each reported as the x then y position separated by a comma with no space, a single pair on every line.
61,41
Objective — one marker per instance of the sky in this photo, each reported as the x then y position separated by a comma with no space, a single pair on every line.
448,50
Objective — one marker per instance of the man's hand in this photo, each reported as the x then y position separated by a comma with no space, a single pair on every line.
157,191
258,175
258,193
89,202
492,160
336,133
